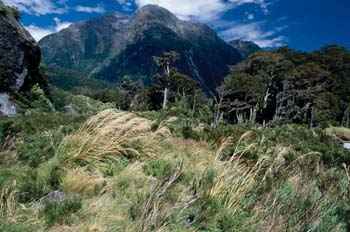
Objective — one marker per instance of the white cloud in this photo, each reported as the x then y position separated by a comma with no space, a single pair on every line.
60,25
126,4
38,32
37,7
250,16
202,10
87,9
253,32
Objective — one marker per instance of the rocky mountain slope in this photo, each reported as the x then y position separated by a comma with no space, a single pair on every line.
115,45
245,48
20,57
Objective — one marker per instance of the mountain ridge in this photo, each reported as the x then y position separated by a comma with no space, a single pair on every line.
245,48
116,45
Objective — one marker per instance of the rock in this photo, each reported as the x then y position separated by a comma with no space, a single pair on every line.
6,106
20,57
52,196
69,110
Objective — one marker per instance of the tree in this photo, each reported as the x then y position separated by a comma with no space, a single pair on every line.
242,95
287,85
164,62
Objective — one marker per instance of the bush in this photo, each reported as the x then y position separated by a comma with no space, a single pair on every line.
189,133
8,127
32,187
61,212
55,177
39,100
36,150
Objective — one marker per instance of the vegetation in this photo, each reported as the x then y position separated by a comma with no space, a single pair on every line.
7,10
289,86
233,162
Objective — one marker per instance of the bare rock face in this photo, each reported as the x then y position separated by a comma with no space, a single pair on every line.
20,57
6,106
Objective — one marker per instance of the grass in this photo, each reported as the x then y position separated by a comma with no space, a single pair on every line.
133,174
339,132
8,202
109,137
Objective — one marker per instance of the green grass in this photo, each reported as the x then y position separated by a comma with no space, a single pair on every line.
234,178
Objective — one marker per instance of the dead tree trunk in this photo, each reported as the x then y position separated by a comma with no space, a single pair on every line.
165,98
218,115
166,90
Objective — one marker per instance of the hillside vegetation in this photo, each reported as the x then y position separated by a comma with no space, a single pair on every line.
162,171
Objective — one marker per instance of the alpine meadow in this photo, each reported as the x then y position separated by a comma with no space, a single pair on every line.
151,115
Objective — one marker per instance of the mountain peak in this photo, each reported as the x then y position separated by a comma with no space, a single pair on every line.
152,12
245,48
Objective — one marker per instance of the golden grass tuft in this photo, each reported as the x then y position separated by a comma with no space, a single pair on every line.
339,132
234,181
8,204
109,136
81,181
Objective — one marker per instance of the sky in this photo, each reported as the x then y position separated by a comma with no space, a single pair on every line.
305,25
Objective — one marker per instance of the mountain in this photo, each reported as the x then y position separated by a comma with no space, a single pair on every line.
20,57
245,48
115,45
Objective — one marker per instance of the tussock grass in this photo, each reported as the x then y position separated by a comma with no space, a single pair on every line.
108,137
81,181
339,132
8,203
135,178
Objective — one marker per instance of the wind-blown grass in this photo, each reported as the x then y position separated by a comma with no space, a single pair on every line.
339,132
108,137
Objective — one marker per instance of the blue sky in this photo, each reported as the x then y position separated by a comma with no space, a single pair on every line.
301,24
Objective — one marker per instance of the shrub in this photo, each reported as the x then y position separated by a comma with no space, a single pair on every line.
189,133
9,127
35,150
55,177
31,187
39,100
61,212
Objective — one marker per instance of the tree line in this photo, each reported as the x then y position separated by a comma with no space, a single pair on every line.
268,87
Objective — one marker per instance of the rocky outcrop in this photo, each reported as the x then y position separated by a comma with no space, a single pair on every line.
20,57
50,197
115,45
